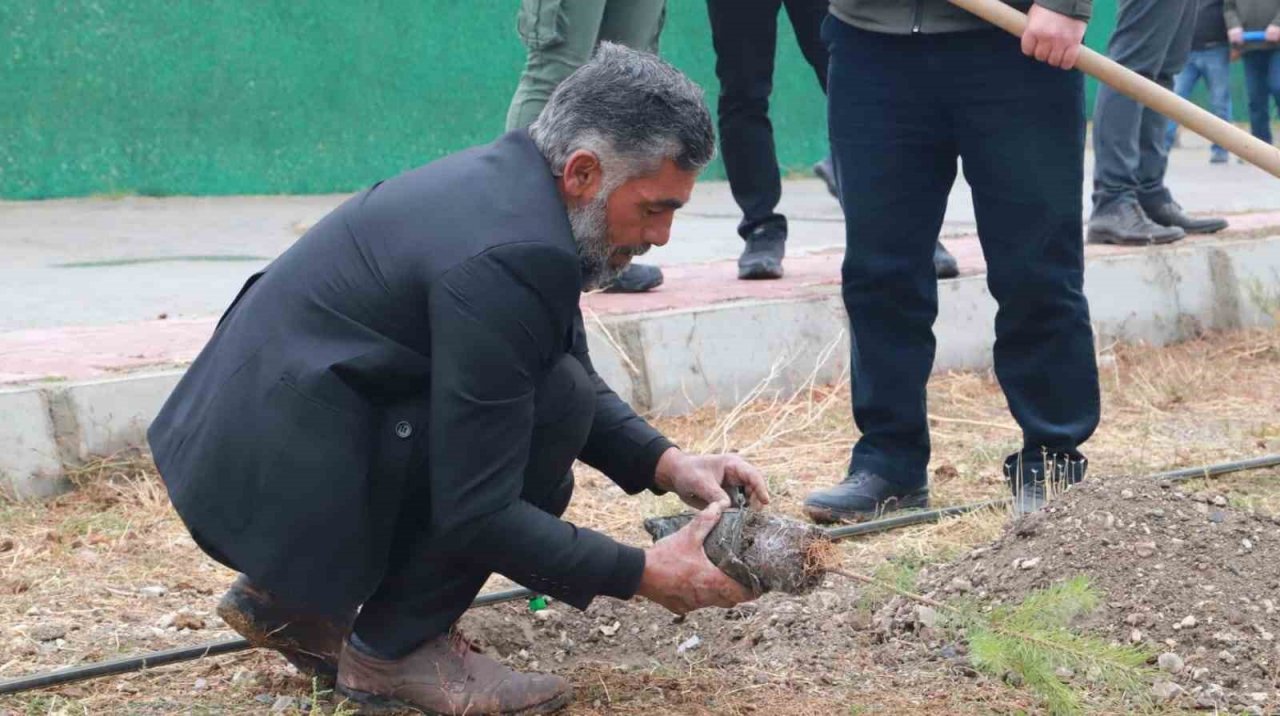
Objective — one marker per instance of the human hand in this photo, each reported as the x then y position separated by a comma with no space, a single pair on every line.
1235,35
1052,37
678,576
699,480
1273,33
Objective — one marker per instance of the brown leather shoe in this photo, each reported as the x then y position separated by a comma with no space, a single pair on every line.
446,676
310,642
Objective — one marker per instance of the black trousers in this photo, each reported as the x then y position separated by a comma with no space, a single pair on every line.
901,113
422,594
745,35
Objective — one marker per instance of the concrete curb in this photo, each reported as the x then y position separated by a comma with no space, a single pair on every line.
670,362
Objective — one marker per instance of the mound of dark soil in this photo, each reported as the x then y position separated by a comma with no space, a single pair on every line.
1183,574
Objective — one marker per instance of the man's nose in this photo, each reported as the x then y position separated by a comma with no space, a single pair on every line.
659,235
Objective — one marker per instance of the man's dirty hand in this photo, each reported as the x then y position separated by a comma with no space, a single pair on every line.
1053,37
700,480
678,575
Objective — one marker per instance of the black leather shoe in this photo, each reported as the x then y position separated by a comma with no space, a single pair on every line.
762,256
826,171
1128,225
1171,214
863,496
1033,481
944,263
636,278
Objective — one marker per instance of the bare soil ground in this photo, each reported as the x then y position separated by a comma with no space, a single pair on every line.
108,570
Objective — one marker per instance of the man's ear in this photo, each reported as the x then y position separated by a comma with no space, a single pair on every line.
583,176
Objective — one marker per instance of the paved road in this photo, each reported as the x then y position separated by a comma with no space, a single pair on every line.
100,261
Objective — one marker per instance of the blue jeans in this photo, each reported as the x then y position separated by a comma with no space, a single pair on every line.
1213,64
900,116
1262,82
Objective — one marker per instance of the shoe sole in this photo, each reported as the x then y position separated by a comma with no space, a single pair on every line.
830,515
312,666
1113,240
635,289
1213,230
367,704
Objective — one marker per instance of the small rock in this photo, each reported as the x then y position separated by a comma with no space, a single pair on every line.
1170,662
689,644
1126,494
264,699
1064,673
1226,656
960,585
1248,546
1200,674
611,629
1187,622
769,634
154,590
167,620
1013,679
1219,501
948,652
200,685
1258,697
1135,636
1269,606
926,616
1029,563
760,678
1217,517
282,704
1165,690
1145,549
47,632
185,620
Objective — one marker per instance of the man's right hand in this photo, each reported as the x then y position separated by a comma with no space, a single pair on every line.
1235,35
678,575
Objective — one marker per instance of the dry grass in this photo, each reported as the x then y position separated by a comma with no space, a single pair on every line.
78,562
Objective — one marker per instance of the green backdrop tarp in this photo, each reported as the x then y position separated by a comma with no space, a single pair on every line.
269,96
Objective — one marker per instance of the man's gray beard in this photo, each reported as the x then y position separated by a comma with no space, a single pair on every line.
590,233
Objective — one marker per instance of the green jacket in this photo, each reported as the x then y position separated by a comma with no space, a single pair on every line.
904,17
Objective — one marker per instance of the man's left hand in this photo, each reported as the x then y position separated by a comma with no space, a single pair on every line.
700,480
1273,33
1052,37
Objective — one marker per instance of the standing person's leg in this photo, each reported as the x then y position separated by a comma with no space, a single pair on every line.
560,36
744,34
1184,83
422,597
1273,79
896,161
1021,136
634,23
1153,156
806,18
1145,29
1257,67
1215,63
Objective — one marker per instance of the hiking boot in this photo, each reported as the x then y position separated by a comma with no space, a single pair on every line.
862,496
762,256
1034,481
1128,225
826,171
944,263
446,675
311,642
1171,214
636,278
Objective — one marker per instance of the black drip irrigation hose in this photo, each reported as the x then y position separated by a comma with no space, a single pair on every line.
173,656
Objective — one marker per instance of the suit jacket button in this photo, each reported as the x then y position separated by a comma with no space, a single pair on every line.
403,429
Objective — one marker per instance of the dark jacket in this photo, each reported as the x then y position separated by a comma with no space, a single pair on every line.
903,17
1211,26
399,341
1252,15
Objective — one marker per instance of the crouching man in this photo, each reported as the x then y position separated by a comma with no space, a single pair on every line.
389,412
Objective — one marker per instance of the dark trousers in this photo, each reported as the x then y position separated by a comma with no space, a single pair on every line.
745,34
901,112
1262,82
1152,38
422,594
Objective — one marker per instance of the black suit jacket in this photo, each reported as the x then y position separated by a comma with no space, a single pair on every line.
398,341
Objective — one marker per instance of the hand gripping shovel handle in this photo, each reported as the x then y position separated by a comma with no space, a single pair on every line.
1144,91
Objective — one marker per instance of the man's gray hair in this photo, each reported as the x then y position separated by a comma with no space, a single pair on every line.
630,108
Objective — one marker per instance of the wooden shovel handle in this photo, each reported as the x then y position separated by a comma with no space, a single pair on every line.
1139,88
